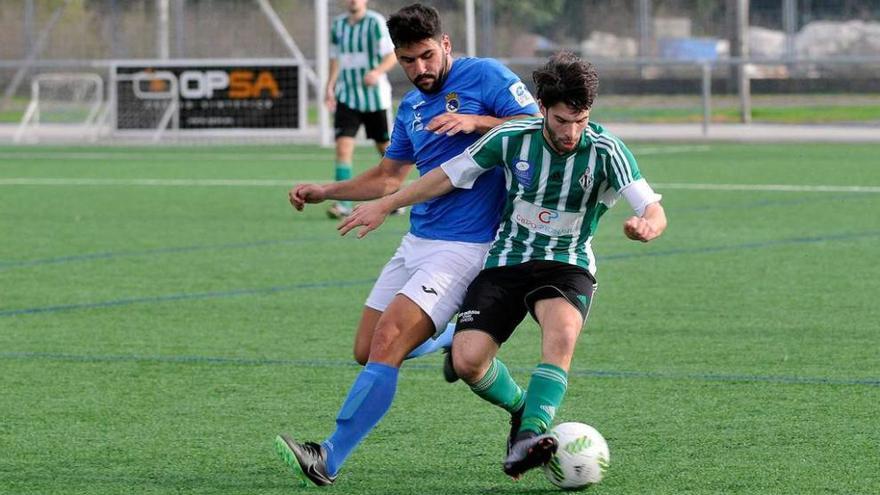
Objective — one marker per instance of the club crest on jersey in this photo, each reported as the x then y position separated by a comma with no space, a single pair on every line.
522,170
452,102
586,181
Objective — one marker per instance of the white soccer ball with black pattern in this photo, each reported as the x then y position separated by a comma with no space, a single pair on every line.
581,459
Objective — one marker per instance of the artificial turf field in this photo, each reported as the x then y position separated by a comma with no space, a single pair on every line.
164,314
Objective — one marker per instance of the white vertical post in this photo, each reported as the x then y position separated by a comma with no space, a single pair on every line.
322,63
707,97
789,25
163,50
743,83
471,28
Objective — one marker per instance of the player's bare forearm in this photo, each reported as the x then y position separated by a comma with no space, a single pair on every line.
379,181
485,123
431,185
647,227
453,123
369,216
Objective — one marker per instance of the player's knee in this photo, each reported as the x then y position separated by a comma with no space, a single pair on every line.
386,341
468,367
564,340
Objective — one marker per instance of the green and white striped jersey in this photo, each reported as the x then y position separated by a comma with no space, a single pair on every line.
554,201
359,48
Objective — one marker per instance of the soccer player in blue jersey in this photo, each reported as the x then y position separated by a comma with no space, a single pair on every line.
422,286
563,173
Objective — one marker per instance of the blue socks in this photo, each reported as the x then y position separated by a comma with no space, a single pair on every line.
368,400
434,344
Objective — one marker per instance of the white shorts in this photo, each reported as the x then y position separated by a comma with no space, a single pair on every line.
433,274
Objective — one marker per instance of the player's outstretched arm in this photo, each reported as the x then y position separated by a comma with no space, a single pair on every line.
647,227
376,182
369,216
453,123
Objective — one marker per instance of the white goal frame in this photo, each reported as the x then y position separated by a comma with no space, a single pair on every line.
30,127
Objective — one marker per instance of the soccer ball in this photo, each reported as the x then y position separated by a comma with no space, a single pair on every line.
581,459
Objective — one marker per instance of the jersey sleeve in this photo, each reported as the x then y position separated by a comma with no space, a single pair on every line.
504,93
334,41
401,147
464,169
383,38
624,175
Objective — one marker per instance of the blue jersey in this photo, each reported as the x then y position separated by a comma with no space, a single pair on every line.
474,86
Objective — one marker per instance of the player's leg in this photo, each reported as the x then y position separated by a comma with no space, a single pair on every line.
346,122
492,308
363,339
440,275
560,304
400,328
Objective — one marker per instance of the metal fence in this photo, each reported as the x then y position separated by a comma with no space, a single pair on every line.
659,60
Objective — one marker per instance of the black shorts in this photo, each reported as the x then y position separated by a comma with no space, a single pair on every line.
498,299
347,122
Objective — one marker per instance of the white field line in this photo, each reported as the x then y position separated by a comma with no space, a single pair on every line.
32,181
194,156
768,187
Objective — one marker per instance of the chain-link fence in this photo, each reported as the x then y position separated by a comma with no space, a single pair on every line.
804,60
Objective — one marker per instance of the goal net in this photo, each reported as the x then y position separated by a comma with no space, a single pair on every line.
63,106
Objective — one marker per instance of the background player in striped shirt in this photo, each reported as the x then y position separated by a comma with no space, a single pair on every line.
358,91
563,173
455,100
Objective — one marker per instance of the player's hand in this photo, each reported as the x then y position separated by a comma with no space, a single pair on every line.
330,101
368,216
452,123
371,78
301,194
639,229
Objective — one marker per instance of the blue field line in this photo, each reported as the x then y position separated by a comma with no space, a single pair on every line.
348,283
56,260
186,296
433,367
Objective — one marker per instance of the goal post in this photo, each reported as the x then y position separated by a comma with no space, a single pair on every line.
63,105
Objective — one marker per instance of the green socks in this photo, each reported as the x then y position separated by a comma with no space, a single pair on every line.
543,398
343,172
498,387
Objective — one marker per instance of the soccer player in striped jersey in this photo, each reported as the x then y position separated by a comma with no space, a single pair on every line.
455,100
563,173
358,91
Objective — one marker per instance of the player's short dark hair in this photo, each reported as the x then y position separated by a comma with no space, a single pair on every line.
414,23
568,79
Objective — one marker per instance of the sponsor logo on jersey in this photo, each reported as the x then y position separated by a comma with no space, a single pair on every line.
547,221
452,102
547,216
522,170
521,94
417,117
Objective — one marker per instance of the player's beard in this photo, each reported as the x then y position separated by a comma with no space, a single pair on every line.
558,144
439,80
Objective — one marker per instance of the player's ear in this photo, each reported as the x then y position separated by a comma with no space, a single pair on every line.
446,43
